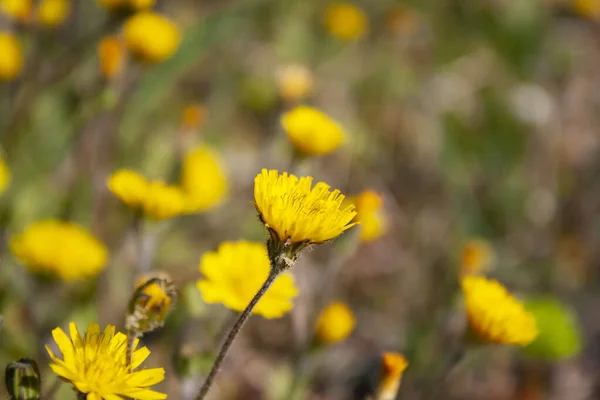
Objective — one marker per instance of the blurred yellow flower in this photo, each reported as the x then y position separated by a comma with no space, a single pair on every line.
4,175
345,21
95,364
587,8
193,117
59,248
111,56
311,131
53,12
203,180
370,214
294,211
152,299
477,257
295,82
19,10
151,37
11,57
494,314
335,323
393,365
235,272
129,186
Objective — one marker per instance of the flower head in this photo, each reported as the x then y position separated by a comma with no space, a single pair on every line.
335,323
152,299
22,379
96,365
495,315
19,10
151,37
587,8
11,57
311,131
295,82
234,273
393,366
203,180
129,186
370,214
52,13
111,56
58,248
345,21
477,257
293,210
4,175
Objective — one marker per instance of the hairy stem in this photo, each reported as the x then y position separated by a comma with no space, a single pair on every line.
129,350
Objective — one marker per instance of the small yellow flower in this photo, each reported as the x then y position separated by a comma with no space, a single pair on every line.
58,248
4,175
294,211
163,201
11,57
19,10
53,12
345,21
111,56
152,299
477,257
335,323
295,82
129,186
370,214
96,365
193,117
311,131
203,180
393,365
587,8
151,37
234,273
495,315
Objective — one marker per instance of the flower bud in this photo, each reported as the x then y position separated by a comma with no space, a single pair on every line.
393,366
151,301
22,379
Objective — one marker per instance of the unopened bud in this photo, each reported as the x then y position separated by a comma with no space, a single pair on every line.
22,379
152,299
393,366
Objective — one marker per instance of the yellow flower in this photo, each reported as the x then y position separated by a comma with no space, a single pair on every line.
53,12
95,365
163,201
294,211
19,10
373,220
477,257
494,314
393,365
59,248
111,56
151,37
203,180
335,323
295,82
11,57
234,273
151,301
193,117
129,186
4,175
587,8
311,131
345,21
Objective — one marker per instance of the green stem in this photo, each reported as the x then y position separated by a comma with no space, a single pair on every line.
129,350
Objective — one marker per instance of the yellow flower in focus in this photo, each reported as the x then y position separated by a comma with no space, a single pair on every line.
294,211
151,37
193,117
59,248
311,131
393,366
587,8
4,175
477,257
53,12
111,56
129,186
163,201
335,323
95,365
494,314
370,214
203,180
345,21
295,82
235,272
11,57
19,10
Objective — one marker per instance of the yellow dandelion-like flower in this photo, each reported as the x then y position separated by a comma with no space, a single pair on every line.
587,8
311,131
129,186
4,175
53,12
393,366
164,201
234,273
203,180
96,365
477,256
372,217
335,323
151,37
59,248
193,117
495,315
295,82
111,56
19,10
11,56
295,211
345,21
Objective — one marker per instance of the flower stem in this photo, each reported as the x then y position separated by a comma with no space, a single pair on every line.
129,350
233,333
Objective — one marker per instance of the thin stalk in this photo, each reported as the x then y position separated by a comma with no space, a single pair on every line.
233,333
129,350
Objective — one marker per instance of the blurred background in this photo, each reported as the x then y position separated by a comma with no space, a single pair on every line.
473,123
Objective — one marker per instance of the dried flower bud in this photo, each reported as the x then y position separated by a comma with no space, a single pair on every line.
22,379
151,301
